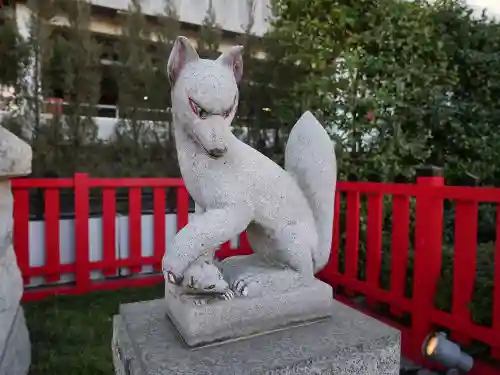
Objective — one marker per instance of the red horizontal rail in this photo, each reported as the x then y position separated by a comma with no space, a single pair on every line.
373,292
473,194
100,265
43,183
31,295
135,182
467,193
465,327
365,207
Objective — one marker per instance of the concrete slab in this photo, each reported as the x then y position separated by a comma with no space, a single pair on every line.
244,316
145,342
11,281
16,356
11,290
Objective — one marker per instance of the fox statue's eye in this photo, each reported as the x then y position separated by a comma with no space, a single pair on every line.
197,110
226,113
202,113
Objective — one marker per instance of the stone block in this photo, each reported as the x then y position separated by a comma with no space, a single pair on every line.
15,155
15,358
11,290
15,351
224,320
7,318
6,221
348,342
11,282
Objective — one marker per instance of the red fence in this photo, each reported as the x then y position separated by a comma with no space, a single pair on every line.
427,196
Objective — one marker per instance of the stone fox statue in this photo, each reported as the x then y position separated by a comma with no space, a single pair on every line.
288,213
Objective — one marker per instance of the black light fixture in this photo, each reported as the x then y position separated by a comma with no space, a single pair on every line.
439,349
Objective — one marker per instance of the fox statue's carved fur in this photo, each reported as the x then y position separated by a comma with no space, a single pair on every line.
288,213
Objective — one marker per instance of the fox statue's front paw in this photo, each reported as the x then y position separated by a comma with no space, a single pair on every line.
240,287
228,295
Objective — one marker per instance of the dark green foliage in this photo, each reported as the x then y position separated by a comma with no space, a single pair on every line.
13,49
210,34
72,335
142,144
421,77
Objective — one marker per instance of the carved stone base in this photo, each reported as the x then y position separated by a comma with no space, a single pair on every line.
348,342
244,316
15,350
15,358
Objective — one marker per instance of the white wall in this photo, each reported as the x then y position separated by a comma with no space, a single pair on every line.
232,15
67,243
492,7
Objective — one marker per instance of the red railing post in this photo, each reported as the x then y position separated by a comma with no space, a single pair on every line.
82,261
52,223
158,226
134,228
109,231
352,237
182,207
464,261
495,350
428,249
21,217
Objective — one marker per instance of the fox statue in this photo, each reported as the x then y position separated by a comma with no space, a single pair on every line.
288,213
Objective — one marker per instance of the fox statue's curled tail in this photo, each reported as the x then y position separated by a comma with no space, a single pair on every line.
310,159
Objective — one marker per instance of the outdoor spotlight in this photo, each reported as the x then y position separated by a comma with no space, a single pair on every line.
445,352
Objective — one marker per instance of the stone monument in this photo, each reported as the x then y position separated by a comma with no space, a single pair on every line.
15,348
263,313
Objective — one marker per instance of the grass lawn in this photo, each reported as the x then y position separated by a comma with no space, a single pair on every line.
71,335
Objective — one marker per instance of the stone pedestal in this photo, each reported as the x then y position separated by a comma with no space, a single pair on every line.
145,341
15,349
16,358
244,316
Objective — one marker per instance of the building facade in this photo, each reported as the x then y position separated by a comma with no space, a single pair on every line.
232,17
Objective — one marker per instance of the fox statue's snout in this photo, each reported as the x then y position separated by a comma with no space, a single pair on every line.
210,135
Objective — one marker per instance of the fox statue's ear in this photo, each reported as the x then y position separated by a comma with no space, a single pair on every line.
182,53
233,59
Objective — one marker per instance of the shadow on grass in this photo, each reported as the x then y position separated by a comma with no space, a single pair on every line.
72,334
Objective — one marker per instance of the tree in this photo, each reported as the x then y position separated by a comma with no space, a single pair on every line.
468,142
377,74
76,60
61,62
27,121
13,50
210,34
142,133
249,115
